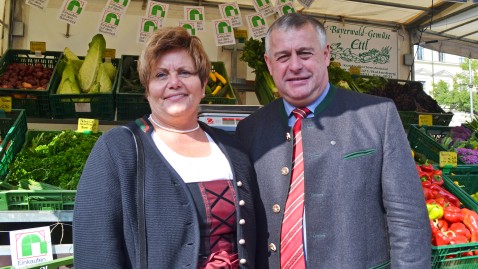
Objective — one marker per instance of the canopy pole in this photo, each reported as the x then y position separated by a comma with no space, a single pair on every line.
470,86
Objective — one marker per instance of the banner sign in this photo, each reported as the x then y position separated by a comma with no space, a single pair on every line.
257,25
117,5
71,11
40,4
306,3
373,49
231,11
190,26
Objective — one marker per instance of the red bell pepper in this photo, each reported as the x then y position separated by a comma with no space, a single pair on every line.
442,238
427,193
439,191
460,228
452,214
470,219
441,224
436,177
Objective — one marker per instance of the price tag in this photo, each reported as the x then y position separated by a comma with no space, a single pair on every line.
448,158
6,103
110,53
88,125
425,119
355,70
36,46
240,34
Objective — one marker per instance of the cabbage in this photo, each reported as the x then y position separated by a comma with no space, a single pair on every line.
91,65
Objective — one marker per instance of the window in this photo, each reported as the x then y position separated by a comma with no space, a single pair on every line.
420,53
461,60
441,57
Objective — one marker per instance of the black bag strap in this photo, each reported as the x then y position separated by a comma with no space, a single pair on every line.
135,130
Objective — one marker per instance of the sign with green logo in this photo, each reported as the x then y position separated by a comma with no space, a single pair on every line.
109,22
223,32
196,14
190,26
117,5
30,246
257,25
231,11
264,6
71,11
147,25
157,10
286,8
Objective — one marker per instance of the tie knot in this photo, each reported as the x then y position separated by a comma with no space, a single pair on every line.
301,112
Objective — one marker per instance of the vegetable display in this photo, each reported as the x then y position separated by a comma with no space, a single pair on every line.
90,75
51,160
253,55
450,223
23,76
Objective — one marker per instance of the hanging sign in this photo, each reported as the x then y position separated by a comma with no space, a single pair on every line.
109,22
190,26
264,6
71,11
30,246
147,25
257,25
231,11
285,8
156,10
223,32
373,49
196,14
117,5
306,3
39,4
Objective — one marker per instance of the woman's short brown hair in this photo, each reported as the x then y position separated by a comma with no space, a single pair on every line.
168,38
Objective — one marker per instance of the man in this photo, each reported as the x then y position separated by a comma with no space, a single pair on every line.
363,206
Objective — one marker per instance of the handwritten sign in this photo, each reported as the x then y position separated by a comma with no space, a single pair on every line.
448,158
88,125
6,103
110,53
425,119
36,46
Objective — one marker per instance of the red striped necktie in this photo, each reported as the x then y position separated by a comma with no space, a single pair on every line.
292,250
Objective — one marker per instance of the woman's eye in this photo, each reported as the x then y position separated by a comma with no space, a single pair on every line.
185,74
161,75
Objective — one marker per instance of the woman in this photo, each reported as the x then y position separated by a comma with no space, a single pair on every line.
198,203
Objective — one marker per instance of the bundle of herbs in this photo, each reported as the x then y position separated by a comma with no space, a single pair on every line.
51,160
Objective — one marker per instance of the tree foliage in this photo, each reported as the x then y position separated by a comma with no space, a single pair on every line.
457,96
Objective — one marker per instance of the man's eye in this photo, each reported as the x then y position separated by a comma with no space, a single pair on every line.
282,58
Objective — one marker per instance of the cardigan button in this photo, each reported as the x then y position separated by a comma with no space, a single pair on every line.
272,247
242,241
242,203
284,171
287,136
276,208
242,221
242,261
239,183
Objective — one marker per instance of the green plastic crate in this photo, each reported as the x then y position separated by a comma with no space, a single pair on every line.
450,256
55,264
35,102
424,140
230,98
411,117
467,178
13,128
73,106
130,104
24,200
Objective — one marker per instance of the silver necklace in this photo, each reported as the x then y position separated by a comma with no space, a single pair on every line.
173,130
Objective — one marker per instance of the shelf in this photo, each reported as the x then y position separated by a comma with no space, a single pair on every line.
36,216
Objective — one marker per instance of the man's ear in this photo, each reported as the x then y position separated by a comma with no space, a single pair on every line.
267,60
